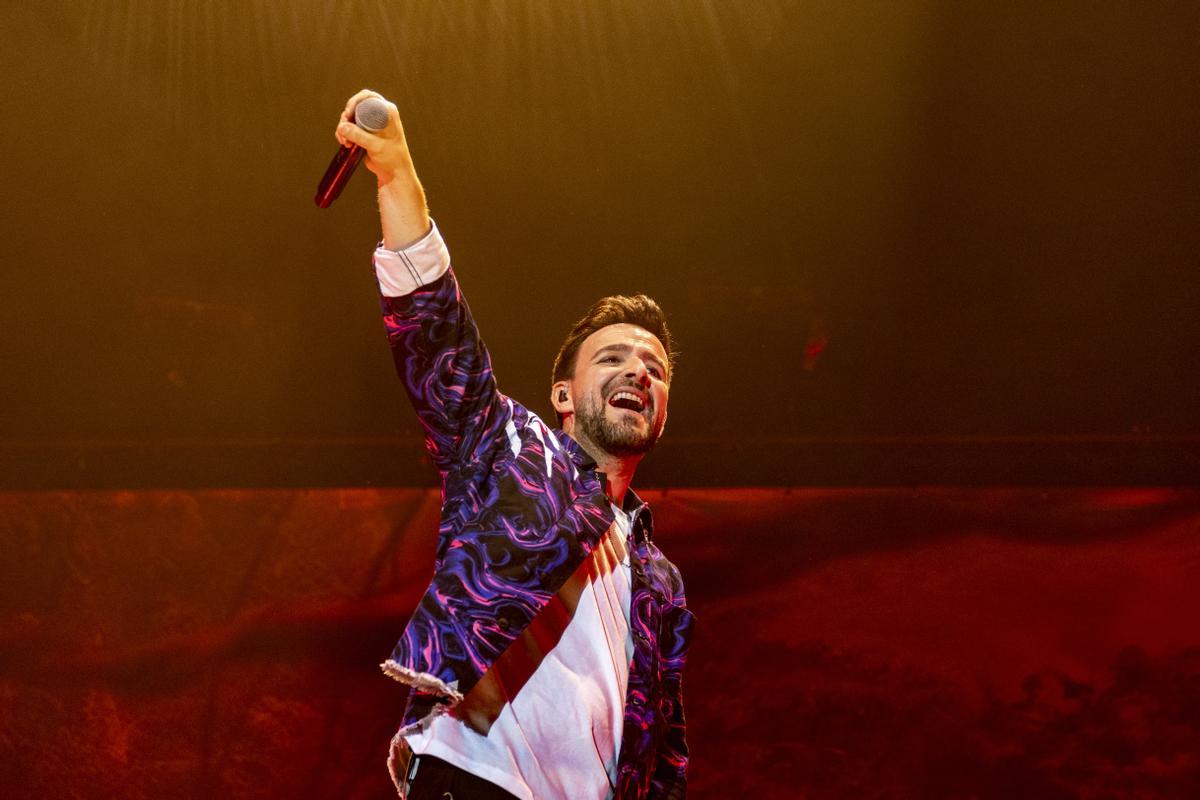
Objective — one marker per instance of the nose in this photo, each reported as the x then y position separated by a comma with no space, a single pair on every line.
639,372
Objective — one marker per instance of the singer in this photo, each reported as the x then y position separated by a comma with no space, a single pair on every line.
545,658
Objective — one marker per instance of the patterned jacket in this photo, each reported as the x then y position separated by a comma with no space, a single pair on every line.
522,507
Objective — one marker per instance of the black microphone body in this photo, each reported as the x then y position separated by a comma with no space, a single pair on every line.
370,115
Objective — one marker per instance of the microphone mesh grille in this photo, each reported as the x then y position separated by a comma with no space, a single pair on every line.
371,114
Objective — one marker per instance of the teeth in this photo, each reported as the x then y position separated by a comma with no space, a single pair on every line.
628,396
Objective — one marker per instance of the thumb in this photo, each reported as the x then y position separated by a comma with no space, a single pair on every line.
350,134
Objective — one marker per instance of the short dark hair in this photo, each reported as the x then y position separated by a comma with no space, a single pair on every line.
615,309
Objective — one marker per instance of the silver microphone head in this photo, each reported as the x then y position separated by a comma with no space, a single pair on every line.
371,114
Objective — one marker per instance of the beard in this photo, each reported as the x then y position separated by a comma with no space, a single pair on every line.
616,438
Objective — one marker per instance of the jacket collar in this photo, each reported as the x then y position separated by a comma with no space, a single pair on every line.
641,521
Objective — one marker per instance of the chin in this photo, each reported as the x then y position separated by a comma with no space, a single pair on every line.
638,443
613,431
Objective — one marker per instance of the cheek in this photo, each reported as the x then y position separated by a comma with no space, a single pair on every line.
601,382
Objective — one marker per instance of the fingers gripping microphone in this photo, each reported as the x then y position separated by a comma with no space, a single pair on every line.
370,115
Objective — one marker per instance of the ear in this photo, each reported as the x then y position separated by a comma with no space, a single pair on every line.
560,398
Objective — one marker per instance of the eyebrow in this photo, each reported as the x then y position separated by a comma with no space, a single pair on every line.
625,348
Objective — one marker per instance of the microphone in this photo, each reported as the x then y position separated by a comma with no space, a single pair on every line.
371,115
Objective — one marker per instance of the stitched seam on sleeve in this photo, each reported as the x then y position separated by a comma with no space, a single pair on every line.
412,270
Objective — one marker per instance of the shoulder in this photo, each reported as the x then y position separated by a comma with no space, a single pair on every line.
524,428
526,449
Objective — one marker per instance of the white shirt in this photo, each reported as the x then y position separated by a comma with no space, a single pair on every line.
555,732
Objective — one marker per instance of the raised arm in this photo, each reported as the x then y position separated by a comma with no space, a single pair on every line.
436,346
403,214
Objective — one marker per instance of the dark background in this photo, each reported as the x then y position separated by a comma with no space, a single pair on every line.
979,220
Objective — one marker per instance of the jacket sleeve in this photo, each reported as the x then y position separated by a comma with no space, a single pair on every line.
439,355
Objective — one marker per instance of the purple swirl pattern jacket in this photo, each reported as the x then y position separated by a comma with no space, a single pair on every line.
522,507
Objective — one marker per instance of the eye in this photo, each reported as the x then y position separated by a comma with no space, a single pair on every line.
608,360
655,371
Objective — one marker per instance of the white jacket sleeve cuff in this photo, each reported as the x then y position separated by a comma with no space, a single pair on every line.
402,272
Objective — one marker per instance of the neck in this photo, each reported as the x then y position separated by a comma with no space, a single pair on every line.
618,469
619,472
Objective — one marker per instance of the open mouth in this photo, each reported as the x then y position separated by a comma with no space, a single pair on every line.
630,401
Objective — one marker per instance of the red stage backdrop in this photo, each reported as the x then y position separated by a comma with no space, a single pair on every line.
857,643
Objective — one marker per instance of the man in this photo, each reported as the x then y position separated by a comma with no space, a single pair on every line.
546,656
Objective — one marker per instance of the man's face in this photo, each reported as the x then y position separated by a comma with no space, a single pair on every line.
620,389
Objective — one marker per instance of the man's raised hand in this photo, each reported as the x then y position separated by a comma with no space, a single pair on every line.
403,216
386,150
